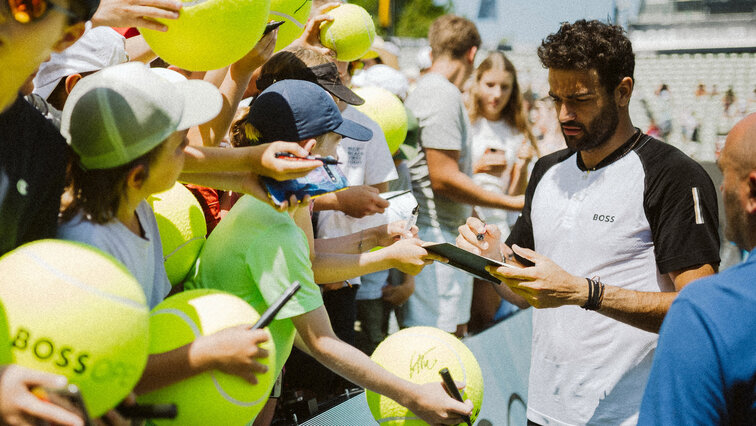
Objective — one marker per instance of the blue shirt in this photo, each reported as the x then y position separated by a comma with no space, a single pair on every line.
704,371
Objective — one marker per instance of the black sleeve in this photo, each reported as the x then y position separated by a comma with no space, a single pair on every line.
41,156
680,202
522,231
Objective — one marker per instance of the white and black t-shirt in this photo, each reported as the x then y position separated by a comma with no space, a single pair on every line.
644,211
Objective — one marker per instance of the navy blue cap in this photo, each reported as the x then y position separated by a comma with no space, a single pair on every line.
294,110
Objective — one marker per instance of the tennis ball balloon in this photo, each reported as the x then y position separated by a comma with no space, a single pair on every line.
294,13
210,34
182,227
6,357
76,311
388,111
350,34
212,397
417,354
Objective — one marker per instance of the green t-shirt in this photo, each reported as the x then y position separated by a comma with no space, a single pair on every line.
256,252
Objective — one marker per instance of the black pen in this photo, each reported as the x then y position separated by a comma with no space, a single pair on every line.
398,194
325,160
270,313
452,388
412,220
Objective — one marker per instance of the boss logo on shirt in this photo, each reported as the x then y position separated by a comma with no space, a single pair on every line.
603,218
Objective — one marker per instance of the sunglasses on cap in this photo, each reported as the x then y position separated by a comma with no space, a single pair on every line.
26,11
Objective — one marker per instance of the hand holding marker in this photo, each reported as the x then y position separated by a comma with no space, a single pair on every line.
325,160
411,221
452,388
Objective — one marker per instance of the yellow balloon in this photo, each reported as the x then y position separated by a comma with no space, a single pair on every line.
210,34
294,13
388,111
417,354
76,311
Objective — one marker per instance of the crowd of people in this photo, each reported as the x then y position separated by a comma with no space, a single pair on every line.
603,224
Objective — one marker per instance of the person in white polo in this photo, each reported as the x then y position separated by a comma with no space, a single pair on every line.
613,227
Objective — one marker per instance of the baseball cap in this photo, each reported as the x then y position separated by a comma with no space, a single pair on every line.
122,112
294,110
324,75
98,48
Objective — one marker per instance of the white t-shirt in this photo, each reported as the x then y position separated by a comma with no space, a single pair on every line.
646,210
363,163
142,256
500,136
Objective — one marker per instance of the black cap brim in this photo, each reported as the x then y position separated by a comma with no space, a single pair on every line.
352,130
342,92
327,77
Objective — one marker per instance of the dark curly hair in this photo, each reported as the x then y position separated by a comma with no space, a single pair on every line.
586,45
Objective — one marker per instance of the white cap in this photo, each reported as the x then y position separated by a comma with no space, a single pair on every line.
385,77
98,48
120,113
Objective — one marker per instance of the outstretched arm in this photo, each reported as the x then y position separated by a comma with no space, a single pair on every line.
232,87
546,285
342,258
430,401
259,159
233,350
448,180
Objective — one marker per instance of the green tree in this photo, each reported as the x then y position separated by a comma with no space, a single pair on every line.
416,16
412,19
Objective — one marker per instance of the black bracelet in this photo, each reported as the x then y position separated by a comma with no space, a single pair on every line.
590,294
601,294
595,294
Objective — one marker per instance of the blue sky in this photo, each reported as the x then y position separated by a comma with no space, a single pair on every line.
529,21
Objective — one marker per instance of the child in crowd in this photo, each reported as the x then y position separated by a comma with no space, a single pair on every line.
127,126
256,252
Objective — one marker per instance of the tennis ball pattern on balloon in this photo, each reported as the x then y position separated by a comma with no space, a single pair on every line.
78,312
350,34
209,34
182,228
212,397
417,354
294,13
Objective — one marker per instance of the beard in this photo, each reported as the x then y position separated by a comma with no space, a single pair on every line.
598,131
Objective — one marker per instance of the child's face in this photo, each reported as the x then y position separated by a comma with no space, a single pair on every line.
167,166
327,145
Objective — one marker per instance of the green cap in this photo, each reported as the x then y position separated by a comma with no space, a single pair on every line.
120,113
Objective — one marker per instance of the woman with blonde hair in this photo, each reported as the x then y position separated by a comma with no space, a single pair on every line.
503,143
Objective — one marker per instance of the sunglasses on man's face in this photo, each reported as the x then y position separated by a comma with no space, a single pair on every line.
26,11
